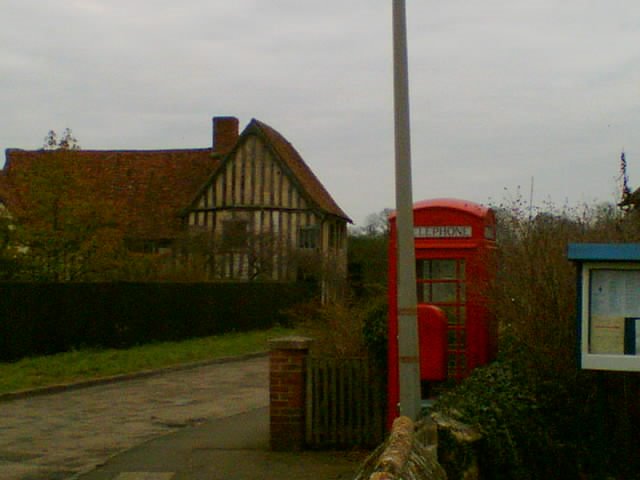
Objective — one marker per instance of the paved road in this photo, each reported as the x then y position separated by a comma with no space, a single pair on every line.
229,448
56,436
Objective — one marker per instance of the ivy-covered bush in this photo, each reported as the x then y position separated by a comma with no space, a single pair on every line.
518,423
46,318
541,416
375,329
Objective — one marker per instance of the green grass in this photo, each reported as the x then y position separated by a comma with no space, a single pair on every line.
89,364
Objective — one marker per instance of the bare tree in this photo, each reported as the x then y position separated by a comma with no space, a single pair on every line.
66,142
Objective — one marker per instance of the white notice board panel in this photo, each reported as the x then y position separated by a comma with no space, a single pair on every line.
611,317
608,323
615,295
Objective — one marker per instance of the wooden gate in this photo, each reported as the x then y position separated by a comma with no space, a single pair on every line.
344,403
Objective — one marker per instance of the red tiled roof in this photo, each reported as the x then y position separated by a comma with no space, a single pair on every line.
150,187
3,188
301,171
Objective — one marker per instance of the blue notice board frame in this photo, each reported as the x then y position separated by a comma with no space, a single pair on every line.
608,320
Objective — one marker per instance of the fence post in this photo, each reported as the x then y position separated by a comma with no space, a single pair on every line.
287,372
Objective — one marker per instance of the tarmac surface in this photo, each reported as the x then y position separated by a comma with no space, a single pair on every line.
231,448
210,422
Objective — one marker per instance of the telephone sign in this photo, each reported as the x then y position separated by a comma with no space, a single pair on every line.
444,231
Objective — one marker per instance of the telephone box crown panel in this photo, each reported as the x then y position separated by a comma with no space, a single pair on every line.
450,219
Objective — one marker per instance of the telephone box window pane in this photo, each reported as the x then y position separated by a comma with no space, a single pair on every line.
420,269
443,270
457,363
463,293
462,361
424,292
441,282
455,315
456,339
450,312
444,292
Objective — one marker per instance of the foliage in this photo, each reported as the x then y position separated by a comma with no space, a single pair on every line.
9,265
540,415
519,438
368,252
348,328
63,227
375,330
86,364
357,323
376,224
336,327
66,142
64,232
538,424
535,284
205,256
45,318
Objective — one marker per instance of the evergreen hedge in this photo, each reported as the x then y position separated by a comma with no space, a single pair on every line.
47,318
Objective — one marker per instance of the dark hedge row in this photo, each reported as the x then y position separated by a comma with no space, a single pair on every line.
46,318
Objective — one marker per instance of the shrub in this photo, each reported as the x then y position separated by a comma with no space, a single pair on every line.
541,416
368,262
45,318
533,296
519,439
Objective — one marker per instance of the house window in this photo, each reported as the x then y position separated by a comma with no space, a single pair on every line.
234,234
309,237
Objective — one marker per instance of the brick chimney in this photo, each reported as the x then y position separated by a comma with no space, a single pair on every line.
225,133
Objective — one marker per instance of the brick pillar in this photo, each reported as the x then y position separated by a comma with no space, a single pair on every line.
287,375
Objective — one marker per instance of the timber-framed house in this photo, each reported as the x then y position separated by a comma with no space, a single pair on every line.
247,208
266,212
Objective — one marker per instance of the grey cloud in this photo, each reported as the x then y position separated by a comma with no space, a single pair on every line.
500,91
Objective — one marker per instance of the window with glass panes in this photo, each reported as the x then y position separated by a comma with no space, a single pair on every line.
442,282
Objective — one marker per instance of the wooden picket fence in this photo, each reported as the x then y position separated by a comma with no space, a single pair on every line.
345,403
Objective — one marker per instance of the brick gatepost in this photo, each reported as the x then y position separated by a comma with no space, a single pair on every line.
287,375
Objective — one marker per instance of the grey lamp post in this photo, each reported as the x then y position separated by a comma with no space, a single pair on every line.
407,298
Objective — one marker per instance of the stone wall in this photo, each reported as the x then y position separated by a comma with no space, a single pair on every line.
408,454
413,452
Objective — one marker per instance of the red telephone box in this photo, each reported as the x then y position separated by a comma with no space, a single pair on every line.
454,241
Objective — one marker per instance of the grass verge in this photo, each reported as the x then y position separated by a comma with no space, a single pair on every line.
80,365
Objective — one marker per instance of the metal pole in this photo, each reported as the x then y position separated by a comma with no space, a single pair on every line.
407,301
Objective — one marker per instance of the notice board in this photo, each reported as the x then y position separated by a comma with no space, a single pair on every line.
608,320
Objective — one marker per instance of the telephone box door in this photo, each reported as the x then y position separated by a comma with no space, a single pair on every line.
442,282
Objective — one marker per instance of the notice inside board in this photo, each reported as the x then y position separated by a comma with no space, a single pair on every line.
614,326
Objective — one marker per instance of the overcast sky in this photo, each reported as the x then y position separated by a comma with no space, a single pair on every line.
501,91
